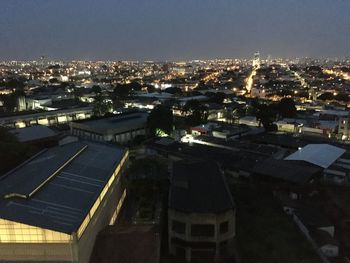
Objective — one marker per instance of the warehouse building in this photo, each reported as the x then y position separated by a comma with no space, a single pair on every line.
121,128
201,214
53,206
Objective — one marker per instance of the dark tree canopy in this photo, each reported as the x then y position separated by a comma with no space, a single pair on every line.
161,119
96,89
286,108
122,91
265,114
10,100
101,106
342,97
173,90
53,80
217,97
197,113
326,96
15,84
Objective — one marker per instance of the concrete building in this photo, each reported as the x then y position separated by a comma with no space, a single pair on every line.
121,128
47,118
334,161
37,135
344,127
201,214
53,206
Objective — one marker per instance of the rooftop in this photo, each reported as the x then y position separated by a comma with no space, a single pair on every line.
290,171
322,155
33,133
56,188
199,187
116,124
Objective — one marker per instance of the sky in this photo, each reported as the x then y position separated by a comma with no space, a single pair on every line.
173,29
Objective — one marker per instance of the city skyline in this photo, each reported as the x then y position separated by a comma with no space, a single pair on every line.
181,30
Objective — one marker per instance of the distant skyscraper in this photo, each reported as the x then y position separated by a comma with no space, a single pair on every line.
256,60
42,61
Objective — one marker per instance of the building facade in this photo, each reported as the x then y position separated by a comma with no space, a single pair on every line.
121,128
201,214
53,206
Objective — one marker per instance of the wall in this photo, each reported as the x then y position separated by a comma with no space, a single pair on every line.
195,218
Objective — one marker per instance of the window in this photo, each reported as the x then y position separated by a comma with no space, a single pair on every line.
224,227
223,248
202,230
178,227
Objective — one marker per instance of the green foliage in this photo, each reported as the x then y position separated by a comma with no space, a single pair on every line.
15,84
96,89
123,91
147,178
174,90
102,106
217,97
286,108
326,96
266,113
10,100
53,80
161,117
198,113
148,169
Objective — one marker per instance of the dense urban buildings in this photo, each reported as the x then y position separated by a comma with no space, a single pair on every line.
268,133
174,131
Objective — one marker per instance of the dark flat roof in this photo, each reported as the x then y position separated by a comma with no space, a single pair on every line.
285,170
199,187
33,133
62,203
116,124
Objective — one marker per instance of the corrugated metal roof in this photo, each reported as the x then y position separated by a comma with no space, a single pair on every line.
322,155
81,171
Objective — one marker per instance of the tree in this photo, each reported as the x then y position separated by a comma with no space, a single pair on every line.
173,90
342,97
96,89
265,114
326,96
161,120
217,97
134,86
198,113
53,80
286,108
150,88
15,84
101,106
122,91
11,100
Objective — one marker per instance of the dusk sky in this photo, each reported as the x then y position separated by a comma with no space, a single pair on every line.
173,29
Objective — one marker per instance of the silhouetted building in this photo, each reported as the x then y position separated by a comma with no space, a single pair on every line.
201,214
